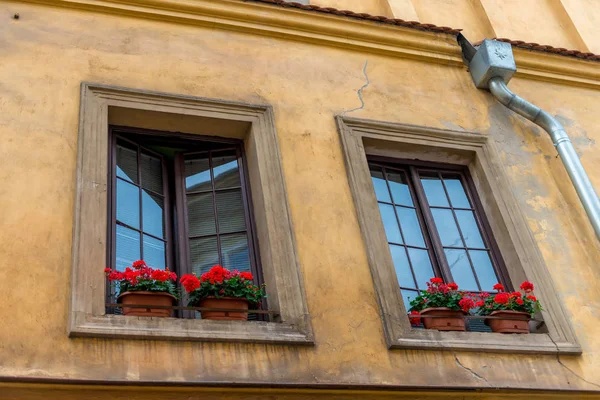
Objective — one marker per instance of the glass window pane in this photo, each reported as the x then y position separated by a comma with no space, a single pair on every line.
201,217
152,214
402,267
422,266
127,247
225,170
235,252
434,191
461,269
399,188
381,190
197,173
446,226
154,252
457,194
484,269
469,229
152,173
407,296
230,209
127,162
203,254
128,204
410,226
390,224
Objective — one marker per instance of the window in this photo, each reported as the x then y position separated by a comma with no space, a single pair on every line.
175,134
434,213
191,189
434,227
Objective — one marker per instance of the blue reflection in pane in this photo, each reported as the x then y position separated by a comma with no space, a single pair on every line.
461,269
225,171
421,266
401,266
128,204
457,194
381,190
197,174
434,191
469,229
390,224
154,252
410,226
484,269
399,188
446,226
127,247
152,214
407,296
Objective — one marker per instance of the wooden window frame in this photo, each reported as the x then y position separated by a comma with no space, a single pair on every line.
430,231
361,138
103,105
176,224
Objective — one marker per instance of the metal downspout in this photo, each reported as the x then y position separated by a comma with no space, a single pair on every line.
561,141
491,66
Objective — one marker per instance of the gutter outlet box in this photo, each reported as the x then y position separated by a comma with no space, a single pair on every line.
493,59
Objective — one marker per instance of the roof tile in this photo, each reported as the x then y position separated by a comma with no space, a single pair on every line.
429,27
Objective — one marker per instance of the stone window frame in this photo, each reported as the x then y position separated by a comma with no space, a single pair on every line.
102,105
359,138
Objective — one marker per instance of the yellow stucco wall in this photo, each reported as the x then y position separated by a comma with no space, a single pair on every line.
48,52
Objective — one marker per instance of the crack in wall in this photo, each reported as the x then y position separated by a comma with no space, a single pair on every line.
360,91
475,374
567,368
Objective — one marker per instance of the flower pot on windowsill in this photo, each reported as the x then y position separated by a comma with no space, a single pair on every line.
445,319
224,302
149,299
516,322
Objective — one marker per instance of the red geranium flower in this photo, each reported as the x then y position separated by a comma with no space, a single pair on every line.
519,301
532,298
452,286
436,281
139,264
501,298
466,304
527,287
414,320
247,276
190,282
499,287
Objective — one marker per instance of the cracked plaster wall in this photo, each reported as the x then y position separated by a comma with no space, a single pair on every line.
48,52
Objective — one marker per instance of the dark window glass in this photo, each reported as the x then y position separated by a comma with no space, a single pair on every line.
216,214
434,228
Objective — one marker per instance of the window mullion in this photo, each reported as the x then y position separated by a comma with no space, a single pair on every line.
442,266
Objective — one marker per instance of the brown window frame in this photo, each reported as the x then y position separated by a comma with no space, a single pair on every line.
434,247
175,216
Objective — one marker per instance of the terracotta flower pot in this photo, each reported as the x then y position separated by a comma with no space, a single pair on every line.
520,323
224,302
147,298
446,319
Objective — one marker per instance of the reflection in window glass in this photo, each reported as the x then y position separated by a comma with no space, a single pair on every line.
434,191
457,194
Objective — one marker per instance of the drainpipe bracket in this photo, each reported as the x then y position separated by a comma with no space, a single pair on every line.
492,59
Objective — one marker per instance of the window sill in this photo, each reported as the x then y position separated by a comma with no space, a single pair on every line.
538,343
119,326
